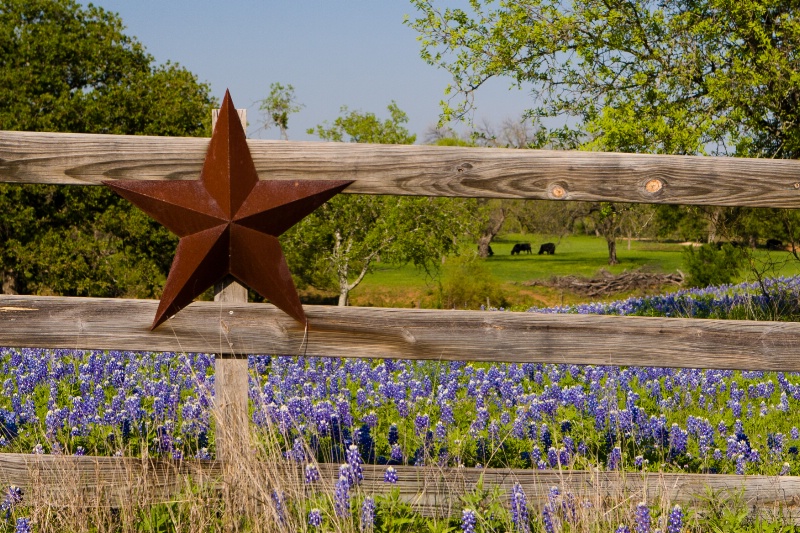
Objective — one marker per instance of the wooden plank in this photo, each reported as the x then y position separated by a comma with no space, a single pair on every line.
235,330
432,490
84,159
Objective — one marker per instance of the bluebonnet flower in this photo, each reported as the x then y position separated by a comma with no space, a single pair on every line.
421,423
346,472
622,529
390,476
394,434
396,454
367,514
371,419
740,464
311,473
23,526
355,462
615,458
642,518
277,501
341,496
315,518
675,520
468,521
12,497
552,457
519,509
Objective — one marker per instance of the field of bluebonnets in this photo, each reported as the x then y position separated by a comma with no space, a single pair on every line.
393,412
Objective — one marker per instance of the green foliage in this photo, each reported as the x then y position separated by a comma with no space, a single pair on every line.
468,284
358,127
712,265
338,244
676,77
68,68
684,77
277,107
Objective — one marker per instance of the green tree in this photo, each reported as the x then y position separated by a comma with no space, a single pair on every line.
685,77
68,68
337,245
278,106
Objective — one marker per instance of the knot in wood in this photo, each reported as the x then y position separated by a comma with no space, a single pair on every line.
556,191
796,185
654,185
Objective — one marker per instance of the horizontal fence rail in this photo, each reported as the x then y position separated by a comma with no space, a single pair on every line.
84,159
231,329
432,490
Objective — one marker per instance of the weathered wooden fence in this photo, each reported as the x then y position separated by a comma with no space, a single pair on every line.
233,330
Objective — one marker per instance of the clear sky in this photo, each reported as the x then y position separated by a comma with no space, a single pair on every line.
334,52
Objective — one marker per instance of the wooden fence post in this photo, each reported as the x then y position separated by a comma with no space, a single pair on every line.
230,381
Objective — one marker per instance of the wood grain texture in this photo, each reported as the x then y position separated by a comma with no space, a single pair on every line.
431,490
231,329
85,159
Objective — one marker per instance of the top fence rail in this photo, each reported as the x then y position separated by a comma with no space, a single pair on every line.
84,159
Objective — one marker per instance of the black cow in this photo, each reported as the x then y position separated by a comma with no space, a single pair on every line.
774,244
547,248
521,247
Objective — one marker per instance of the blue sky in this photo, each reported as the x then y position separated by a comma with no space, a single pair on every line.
336,52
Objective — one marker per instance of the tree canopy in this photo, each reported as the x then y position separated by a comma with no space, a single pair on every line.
717,77
338,244
674,77
68,68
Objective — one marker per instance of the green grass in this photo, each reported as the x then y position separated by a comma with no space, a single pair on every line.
577,255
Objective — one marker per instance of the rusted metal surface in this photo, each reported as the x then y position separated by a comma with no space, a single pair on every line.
228,221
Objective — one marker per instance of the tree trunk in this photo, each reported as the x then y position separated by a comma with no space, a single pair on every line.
612,250
344,292
9,282
713,224
496,220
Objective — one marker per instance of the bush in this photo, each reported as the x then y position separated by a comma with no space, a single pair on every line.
711,264
468,284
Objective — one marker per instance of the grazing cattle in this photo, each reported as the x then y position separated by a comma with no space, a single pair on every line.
491,252
547,248
521,247
774,244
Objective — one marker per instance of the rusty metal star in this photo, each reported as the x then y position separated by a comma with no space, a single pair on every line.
228,221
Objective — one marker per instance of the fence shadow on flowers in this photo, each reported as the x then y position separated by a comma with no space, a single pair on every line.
235,329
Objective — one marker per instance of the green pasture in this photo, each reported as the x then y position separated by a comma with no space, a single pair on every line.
576,255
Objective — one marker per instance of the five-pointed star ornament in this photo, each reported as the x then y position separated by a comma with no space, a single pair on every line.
228,221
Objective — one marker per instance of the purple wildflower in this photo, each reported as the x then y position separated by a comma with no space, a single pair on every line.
675,521
368,514
315,518
390,476
23,526
311,473
519,509
341,497
468,521
642,517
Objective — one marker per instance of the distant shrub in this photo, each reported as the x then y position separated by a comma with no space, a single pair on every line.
468,284
711,264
